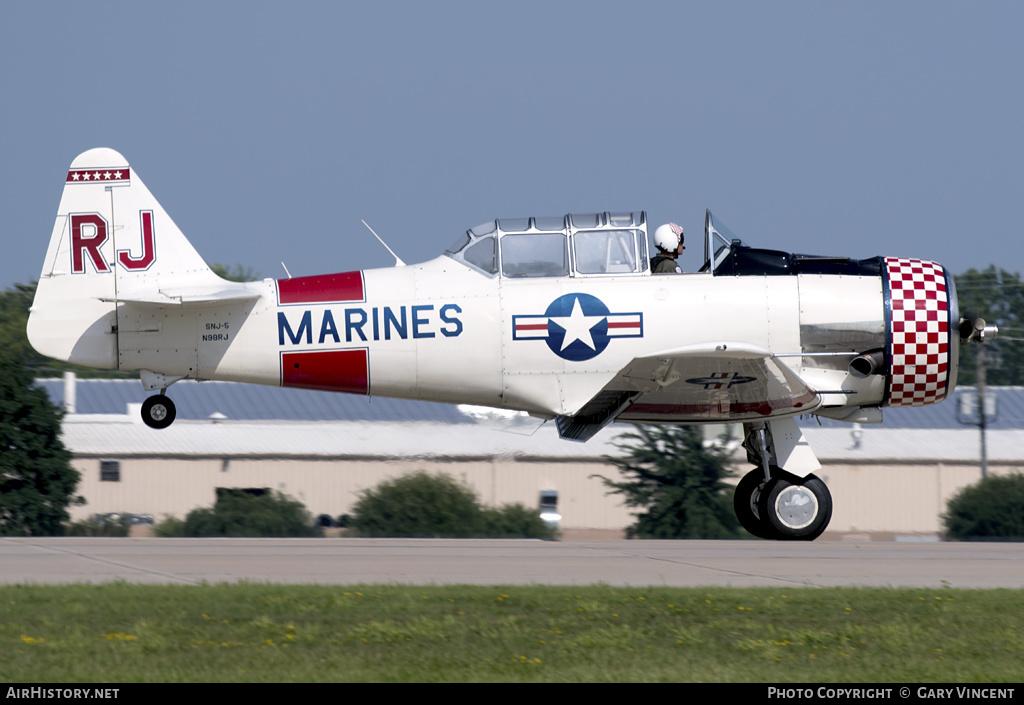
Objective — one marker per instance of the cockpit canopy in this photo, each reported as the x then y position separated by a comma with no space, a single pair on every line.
615,244
578,244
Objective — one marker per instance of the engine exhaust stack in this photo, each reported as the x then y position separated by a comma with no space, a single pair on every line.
867,364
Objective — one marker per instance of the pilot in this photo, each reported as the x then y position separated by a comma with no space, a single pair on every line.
668,238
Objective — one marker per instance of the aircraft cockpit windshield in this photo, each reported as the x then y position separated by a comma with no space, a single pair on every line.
577,245
719,241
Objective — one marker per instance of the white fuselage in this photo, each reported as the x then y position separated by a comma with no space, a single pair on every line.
441,331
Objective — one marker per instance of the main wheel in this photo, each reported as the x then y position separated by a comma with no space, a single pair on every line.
798,509
158,411
744,503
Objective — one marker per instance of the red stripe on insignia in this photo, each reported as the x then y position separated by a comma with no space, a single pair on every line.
635,324
321,289
331,371
532,326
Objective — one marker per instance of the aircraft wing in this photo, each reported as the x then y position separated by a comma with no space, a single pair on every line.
706,382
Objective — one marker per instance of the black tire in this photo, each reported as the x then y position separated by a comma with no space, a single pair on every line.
797,509
158,411
744,503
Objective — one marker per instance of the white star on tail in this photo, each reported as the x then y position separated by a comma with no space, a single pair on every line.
577,327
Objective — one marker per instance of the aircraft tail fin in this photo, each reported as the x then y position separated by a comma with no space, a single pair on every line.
111,241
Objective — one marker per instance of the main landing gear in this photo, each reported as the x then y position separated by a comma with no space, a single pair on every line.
771,503
785,507
158,410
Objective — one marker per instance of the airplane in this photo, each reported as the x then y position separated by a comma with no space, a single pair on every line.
560,318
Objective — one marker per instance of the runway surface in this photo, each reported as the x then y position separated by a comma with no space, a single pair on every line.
481,562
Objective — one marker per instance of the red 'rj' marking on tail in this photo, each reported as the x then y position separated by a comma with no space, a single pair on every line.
130,262
88,233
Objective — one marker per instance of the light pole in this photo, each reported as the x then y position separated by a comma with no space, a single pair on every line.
986,405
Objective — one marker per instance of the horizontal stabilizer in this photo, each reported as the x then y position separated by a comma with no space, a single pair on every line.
161,298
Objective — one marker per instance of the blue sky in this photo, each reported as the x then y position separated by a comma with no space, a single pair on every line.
268,130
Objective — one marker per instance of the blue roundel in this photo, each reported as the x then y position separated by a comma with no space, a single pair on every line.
577,327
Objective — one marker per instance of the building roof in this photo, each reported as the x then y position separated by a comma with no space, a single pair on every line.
1009,412
250,402
253,402
224,419
98,436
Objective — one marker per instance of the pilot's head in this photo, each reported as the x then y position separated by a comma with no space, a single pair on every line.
669,239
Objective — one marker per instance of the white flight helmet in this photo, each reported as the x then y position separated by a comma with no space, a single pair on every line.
665,237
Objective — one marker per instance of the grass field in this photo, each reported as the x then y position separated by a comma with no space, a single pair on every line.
257,632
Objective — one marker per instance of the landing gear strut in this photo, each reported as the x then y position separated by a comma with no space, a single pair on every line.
158,410
771,503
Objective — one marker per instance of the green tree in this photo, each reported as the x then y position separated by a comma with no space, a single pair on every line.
417,505
677,482
990,509
514,521
421,505
997,296
94,527
238,273
14,307
37,482
241,514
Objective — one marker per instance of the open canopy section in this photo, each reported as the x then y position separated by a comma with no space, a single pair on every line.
727,255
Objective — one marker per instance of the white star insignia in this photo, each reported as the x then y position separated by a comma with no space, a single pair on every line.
85,176
577,326
74,177
106,176
117,175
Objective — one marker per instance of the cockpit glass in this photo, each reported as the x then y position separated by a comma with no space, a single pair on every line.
484,228
534,255
549,223
718,241
605,251
483,254
587,244
459,243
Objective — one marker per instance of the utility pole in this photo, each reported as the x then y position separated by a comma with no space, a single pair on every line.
975,329
981,408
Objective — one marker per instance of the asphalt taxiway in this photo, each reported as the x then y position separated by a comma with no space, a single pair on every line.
511,562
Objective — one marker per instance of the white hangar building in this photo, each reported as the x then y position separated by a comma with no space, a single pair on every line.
887,480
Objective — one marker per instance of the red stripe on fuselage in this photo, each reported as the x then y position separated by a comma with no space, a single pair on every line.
331,371
321,289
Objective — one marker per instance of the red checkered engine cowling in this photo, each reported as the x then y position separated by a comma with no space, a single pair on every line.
920,347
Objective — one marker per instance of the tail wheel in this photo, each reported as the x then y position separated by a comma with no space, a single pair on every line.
745,501
798,509
158,411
